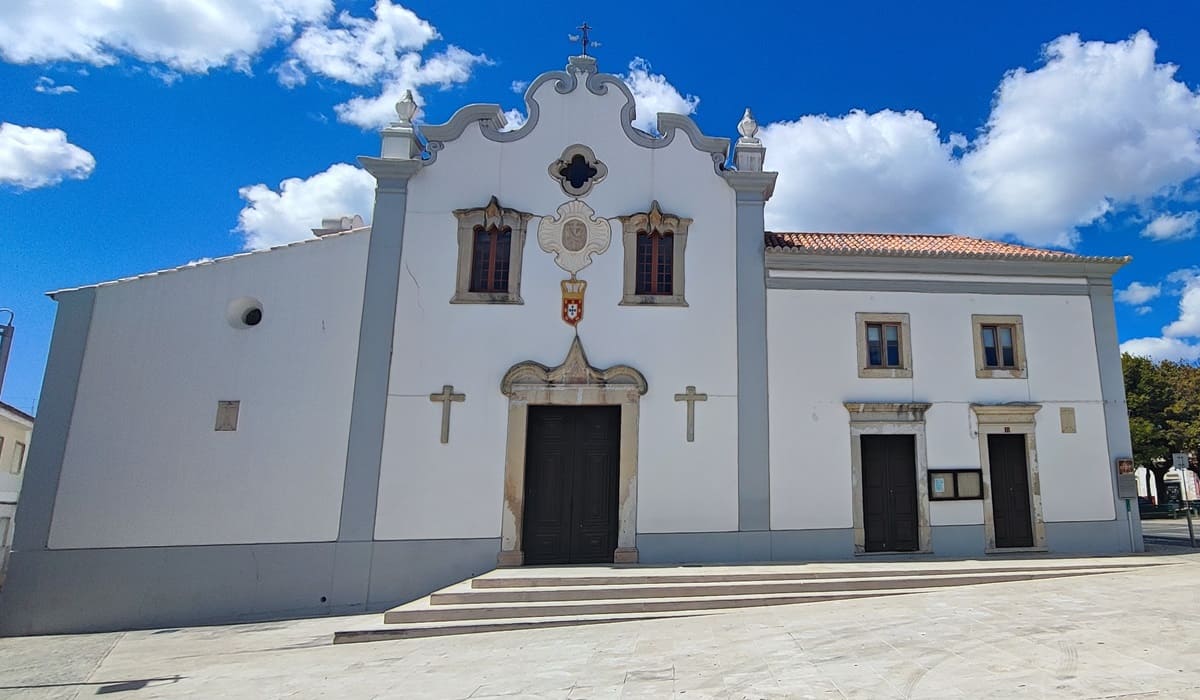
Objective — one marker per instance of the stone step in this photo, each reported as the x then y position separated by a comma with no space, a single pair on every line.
559,577
712,587
423,611
378,631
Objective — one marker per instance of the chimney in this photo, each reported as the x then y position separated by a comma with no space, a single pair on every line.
339,224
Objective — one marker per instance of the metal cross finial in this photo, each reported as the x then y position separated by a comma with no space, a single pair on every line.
582,38
445,398
691,397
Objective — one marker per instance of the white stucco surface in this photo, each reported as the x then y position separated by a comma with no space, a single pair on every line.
811,341
143,464
682,487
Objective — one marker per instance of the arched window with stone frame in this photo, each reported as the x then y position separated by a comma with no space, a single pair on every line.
491,241
654,258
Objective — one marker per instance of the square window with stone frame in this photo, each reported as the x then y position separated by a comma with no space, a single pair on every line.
999,350
999,345
884,345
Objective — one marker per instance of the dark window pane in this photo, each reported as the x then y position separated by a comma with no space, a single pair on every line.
499,281
578,171
873,333
989,346
479,260
893,333
1007,352
645,259
893,353
665,272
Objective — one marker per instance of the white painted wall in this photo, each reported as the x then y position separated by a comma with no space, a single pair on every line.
143,465
432,490
14,428
812,366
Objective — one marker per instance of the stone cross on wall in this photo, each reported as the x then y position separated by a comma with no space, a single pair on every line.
691,397
446,397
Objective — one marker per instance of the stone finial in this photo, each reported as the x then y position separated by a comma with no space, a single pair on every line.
406,108
747,127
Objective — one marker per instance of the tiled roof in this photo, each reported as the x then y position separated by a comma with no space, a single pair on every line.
914,245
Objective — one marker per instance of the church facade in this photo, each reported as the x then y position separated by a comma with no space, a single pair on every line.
569,342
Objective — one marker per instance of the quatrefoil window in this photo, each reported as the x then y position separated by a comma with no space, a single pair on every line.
577,170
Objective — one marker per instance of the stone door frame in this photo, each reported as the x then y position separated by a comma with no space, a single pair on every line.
889,419
1010,419
573,383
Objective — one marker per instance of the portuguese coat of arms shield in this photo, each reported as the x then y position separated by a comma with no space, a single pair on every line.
572,300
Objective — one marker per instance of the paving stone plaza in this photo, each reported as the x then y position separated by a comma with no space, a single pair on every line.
1129,634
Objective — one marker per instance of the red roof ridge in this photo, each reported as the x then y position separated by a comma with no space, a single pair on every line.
917,245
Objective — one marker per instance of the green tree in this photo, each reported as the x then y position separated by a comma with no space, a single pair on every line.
1148,394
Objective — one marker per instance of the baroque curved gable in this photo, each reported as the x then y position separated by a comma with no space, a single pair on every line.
581,71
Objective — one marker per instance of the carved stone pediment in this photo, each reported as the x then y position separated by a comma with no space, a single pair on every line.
575,370
655,220
493,215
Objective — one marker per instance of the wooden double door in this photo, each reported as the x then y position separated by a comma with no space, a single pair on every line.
889,492
1012,517
572,467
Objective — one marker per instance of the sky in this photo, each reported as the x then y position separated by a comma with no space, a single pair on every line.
145,134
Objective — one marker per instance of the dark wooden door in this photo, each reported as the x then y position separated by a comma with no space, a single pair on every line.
571,470
1011,515
889,485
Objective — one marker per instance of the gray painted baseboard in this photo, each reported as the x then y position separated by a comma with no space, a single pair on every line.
94,590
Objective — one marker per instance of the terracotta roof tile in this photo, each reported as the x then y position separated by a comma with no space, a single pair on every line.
912,245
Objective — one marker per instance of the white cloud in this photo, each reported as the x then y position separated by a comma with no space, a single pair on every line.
361,51
445,69
1142,310
189,36
31,157
1137,293
46,86
1097,126
514,119
275,217
653,94
1180,339
1172,226
1188,323
1162,349
518,86
886,171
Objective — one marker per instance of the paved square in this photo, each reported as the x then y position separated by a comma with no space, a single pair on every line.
1111,635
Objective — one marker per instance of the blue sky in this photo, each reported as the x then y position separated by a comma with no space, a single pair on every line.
136,138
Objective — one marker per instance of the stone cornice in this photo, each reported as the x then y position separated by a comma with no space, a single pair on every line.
390,169
759,183
1005,412
886,412
791,259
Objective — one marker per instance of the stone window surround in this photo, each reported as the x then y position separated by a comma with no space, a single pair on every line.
648,221
569,153
573,383
865,371
486,217
982,371
1001,419
889,419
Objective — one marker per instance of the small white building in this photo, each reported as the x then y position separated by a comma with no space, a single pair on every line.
570,342
15,428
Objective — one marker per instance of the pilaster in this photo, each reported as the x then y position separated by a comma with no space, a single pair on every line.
364,451
752,189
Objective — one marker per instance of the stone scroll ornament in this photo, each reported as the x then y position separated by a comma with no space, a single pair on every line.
573,236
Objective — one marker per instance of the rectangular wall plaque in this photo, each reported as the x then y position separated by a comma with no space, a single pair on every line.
227,415
1066,417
